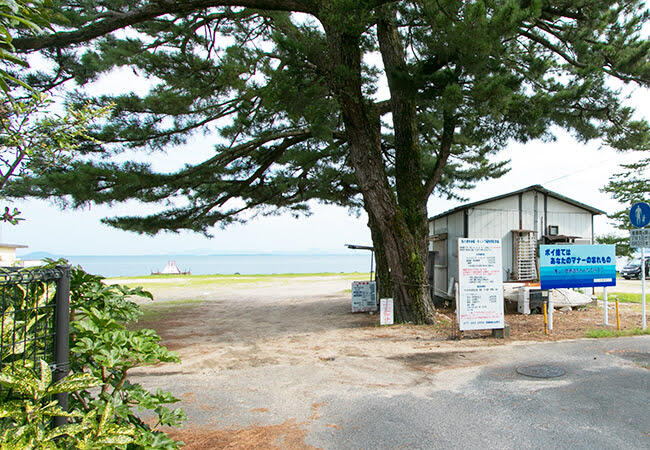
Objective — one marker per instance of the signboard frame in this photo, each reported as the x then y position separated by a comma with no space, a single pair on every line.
577,266
364,296
386,314
480,284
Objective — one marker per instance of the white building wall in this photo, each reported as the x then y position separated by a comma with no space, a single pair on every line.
495,220
533,212
455,230
571,220
446,266
527,210
436,227
7,256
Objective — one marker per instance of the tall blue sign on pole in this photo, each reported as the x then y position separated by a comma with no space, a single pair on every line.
640,215
640,218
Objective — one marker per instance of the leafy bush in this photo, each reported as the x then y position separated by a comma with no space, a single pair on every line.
26,421
103,412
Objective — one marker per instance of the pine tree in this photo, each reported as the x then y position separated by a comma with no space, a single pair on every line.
631,184
291,89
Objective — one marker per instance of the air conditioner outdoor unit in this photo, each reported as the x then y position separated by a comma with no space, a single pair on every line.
531,300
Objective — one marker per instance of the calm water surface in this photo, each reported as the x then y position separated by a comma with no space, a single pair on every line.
113,266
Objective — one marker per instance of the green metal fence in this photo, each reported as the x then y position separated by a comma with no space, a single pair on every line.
35,310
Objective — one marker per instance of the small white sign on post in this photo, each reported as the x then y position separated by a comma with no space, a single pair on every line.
480,282
640,238
364,296
386,311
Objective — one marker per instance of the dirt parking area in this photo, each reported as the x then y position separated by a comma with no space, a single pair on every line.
259,359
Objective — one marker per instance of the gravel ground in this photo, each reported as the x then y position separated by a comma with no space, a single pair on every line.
282,363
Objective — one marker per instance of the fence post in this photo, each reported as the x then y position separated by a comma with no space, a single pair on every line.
62,331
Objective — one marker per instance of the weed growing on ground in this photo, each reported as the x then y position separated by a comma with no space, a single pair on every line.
623,297
604,333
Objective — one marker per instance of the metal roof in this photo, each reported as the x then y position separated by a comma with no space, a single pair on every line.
536,187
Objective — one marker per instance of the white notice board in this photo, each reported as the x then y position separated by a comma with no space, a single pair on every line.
480,284
386,311
364,296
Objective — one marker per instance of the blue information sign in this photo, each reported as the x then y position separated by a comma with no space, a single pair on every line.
640,214
572,266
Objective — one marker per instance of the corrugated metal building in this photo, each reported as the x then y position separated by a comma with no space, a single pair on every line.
522,220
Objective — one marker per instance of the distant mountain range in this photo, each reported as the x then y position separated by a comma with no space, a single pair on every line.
38,255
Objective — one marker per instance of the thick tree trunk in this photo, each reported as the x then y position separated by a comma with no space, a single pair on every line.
404,249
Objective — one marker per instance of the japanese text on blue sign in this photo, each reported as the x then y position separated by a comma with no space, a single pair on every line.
569,266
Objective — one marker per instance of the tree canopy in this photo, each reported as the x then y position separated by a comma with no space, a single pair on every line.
370,103
33,139
629,185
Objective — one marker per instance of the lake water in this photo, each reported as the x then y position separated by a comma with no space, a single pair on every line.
113,266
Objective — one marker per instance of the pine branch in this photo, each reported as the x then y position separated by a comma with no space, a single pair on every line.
113,20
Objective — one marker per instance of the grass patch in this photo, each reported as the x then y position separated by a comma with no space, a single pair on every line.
351,275
176,281
162,310
604,333
623,297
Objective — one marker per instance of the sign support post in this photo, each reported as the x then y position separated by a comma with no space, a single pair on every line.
643,321
550,312
605,305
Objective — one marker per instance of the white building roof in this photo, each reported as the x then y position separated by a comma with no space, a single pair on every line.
536,187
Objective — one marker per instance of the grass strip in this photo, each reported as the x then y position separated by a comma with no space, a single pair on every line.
623,297
351,275
604,333
182,281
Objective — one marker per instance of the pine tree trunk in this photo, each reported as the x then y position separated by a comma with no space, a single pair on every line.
402,230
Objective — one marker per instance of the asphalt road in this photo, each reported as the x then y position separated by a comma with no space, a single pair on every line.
602,401
460,398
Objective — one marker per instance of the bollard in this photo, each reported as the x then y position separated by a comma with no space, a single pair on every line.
545,320
618,317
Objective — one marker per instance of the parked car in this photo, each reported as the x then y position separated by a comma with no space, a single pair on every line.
633,269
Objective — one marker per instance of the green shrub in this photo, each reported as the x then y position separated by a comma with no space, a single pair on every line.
102,351
26,421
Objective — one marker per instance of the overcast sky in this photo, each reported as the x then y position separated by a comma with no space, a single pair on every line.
567,167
